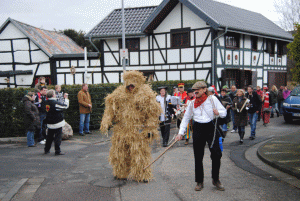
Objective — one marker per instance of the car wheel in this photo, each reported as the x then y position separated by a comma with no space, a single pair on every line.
287,119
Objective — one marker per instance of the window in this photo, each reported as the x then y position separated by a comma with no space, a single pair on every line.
232,40
132,44
281,48
254,40
180,38
270,47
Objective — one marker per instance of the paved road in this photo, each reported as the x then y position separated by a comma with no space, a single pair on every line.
84,173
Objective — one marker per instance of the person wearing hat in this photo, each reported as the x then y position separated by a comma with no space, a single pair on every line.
204,109
175,90
165,118
189,128
212,92
181,92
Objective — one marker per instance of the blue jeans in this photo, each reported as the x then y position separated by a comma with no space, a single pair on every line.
274,107
253,119
42,134
84,123
232,118
241,129
224,127
30,138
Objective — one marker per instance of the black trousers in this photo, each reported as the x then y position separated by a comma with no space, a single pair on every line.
204,132
165,131
53,134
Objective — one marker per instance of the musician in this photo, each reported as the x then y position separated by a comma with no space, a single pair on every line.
204,110
165,118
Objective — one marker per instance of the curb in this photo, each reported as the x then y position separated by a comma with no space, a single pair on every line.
12,192
13,140
275,165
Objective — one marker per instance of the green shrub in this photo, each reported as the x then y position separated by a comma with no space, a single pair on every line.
12,108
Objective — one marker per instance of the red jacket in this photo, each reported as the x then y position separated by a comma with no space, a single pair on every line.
182,95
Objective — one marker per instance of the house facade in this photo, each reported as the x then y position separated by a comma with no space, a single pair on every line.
194,39
27,52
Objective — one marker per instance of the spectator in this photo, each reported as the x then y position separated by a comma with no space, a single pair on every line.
254,109
211,91
55,121
59,95
266,107
280,99
32,119
165,118
227,103
40,103
226,88
85,108
260,93
181,92
240,113
175,90
274,101
286,93
41,83
232,95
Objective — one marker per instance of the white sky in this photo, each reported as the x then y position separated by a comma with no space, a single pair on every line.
85,14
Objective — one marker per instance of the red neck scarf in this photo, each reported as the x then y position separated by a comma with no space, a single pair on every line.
200,100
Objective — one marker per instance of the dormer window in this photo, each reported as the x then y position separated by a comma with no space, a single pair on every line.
270,47
254,40
232,40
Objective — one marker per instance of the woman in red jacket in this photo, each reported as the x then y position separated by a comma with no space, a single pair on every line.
266,109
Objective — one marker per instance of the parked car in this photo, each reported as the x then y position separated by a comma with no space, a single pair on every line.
291,105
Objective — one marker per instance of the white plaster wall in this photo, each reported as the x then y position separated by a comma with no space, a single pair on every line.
205,55
5,46
24,79
172,21
113,44
247,41
220,56
20,45
6,67
260,72
247,58
33,46
161,40
22,56
134,58
201,74
284,60
228,61
69,79
74,63
260,82
78,78
144,58
260,44
266,60
158,59
11,32
38,56
109,59
60,79
144,43
5,58
97,78
161,76
64,64
112,77
187,75
265,76
256,61
192,20
174,75
173,56
44,69
168,41
201,36
187,55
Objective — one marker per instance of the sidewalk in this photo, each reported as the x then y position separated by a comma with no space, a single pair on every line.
282,153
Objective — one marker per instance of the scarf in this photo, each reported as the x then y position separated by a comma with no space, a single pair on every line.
200,100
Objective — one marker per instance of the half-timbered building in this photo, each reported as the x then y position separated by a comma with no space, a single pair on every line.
27,52
194,39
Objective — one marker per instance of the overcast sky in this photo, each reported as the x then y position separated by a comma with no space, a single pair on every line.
85,14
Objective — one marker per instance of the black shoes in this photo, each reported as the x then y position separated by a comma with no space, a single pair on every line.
218,184
81,134
199,186
165,144
89,132
32,145
47,152
251,138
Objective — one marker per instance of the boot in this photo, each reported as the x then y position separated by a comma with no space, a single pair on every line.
277,114
186,142
241,134
272,116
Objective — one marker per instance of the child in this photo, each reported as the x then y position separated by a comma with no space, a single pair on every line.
59,95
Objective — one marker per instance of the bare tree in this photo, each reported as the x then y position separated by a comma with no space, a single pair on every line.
289,13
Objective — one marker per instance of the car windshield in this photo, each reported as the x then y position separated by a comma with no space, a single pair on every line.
296,92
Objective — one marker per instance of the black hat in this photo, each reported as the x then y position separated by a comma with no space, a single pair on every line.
190,90
162,87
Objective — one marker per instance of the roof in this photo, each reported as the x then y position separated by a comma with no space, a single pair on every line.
51,42
111,26
220,15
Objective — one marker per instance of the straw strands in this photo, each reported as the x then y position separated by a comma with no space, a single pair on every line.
134,114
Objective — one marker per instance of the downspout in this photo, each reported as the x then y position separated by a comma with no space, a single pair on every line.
90,40
213,56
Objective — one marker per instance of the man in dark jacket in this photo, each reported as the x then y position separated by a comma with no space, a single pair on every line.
227,103
39,102
54,120
232,95
254,108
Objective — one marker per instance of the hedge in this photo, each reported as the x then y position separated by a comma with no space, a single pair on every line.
12,108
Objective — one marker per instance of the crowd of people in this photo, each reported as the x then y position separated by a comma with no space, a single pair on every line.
44,114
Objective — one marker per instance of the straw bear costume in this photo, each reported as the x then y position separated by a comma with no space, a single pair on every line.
135,115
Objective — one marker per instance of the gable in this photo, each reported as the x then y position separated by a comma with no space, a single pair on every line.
10,31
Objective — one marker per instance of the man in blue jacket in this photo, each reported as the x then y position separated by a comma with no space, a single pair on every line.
54,120
254,109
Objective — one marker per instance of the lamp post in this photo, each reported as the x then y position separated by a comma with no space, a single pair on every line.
123,37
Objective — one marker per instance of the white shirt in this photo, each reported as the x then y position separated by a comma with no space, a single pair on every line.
202,114
160,99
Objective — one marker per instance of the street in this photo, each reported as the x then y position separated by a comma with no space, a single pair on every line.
85,174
